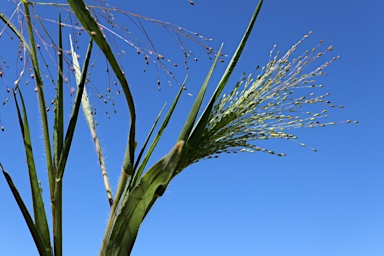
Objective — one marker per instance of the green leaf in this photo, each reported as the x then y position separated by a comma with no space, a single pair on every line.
74,115
159,134
197,104
57,207
58,129
40,244
148,138
38,205
185,132
40,91
136,204
195,135
232,64
138,173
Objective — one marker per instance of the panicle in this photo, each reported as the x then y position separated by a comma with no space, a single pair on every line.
269,105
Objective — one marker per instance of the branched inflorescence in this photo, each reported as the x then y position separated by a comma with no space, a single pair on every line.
123,30
267,106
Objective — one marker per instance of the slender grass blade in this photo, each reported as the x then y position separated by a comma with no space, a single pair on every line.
40,244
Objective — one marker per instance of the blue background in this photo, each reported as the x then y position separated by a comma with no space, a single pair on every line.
324,203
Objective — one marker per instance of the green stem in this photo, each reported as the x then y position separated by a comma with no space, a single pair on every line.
57,210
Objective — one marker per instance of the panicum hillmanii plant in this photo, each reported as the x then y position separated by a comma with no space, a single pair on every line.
258,108
267,106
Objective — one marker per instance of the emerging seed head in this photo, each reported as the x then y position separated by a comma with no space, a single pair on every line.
267,107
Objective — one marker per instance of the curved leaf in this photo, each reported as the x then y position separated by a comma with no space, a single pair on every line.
195,135
136,204
40,245
158,136
38,204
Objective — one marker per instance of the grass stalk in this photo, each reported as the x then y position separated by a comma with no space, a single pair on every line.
40,93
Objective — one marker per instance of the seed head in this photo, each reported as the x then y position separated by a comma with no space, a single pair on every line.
267,106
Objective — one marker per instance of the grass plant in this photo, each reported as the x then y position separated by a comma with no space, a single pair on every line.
268,105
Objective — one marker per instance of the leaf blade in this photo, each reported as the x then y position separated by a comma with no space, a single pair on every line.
37,200
58,128
159,134
136,204
197,104
195,133
40,245
74,115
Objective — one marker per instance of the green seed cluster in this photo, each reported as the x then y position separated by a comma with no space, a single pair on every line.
267,106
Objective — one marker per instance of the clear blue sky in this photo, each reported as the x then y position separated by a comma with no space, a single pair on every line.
326,203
